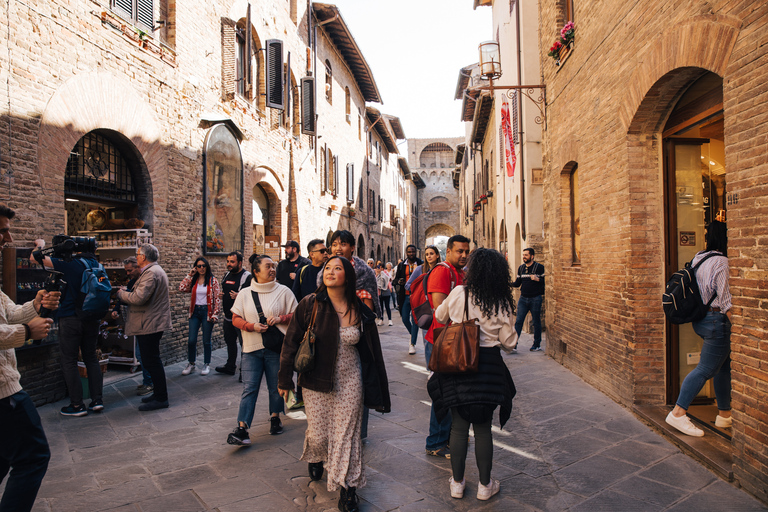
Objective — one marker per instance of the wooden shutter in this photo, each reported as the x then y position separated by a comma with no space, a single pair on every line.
325,169
274,65
145,14
124,7
335,175
308,106
287,91
248,56
350,182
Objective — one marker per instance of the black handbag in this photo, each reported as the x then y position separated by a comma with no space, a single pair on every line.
272,338
305,356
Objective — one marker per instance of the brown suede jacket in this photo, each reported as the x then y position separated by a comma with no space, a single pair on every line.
374,373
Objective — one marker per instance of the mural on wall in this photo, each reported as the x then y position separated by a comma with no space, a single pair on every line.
223,192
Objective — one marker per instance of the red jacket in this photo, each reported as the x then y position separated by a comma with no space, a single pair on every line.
212,294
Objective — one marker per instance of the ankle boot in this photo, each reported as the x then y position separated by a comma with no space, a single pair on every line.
315,471
348,500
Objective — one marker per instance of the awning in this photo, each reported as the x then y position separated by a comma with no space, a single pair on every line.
482,116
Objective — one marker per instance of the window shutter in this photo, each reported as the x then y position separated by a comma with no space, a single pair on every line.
275,85
123,6
515,121
248,56
308,106
392,214
287,91
229,64
145,14
350,182
335,175
325,169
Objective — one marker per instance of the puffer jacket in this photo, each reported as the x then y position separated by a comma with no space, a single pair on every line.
490,387
326,329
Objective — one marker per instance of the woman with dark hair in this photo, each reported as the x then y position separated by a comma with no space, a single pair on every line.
277,304
204,309
715,329
431,259
486,295
383,280
348,374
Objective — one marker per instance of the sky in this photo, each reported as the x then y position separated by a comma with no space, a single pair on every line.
415,49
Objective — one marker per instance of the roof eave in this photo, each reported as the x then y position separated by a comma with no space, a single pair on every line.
482,116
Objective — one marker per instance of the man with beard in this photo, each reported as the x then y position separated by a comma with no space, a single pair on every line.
288,269
234,280
530,279
403,273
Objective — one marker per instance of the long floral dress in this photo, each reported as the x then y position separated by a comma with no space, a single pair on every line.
334,419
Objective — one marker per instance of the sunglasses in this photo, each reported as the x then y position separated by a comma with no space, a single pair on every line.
202,265
321,251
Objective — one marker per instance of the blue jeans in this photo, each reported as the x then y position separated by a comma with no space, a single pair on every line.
199,317
254,365
23,450
405,315
146,377
714,362
439,431
532,304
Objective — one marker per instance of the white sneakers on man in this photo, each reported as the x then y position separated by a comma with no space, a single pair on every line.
484,492
206,369
189,369
457,488
684,425
723,422
390,323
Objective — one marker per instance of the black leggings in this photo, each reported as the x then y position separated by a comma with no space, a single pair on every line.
384,301
459,442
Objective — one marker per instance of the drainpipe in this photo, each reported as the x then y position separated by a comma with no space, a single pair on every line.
519,124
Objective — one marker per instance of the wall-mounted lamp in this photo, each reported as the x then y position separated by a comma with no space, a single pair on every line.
490,61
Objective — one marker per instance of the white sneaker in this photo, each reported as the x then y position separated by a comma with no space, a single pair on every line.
485,492
206,369
379,322
189,369
390,323
457,488
723,422
411,349
684,425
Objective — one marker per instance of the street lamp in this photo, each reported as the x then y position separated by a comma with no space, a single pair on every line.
490,62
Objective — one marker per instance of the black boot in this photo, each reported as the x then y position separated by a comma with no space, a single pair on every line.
348,500
315,471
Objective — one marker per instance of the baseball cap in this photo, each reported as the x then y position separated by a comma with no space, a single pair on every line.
292,243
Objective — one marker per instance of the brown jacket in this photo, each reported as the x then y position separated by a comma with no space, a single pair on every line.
149,307
375,383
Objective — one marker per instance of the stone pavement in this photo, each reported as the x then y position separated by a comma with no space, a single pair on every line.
566,447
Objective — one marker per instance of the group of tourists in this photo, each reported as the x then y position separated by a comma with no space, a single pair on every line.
316,318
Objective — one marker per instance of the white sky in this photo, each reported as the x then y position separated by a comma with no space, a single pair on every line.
415,49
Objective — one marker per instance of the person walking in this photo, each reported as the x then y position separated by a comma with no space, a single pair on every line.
442,279
24,450
277,305
530,280
383,282
390,270
402,275
471,398
715,330
349,375
306,281
234,280
288,269
149,316
432,257
204,310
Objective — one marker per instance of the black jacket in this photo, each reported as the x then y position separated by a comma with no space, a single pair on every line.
491,386
400,287
374,373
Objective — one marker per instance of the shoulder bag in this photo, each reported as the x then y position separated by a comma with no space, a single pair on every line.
457,345
272,338
305,356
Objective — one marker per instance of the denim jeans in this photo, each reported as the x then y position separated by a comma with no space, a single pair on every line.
74,335
532,304
714,362
405,315
439,431
150,359
254,366
146,377
199,317
23,450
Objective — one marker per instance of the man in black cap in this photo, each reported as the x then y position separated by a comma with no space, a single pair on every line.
288,268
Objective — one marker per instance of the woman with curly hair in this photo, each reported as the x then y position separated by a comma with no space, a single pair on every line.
472,397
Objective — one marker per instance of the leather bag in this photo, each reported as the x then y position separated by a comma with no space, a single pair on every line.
272,338
457,345
305,356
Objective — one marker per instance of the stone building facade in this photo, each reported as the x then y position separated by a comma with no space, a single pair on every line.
655,125
437,207
163,95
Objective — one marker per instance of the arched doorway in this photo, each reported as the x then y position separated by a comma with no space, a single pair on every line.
266,220
503,239
438,235
378,253
361,247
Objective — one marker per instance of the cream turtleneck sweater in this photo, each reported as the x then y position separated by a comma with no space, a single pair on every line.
12,316
275,299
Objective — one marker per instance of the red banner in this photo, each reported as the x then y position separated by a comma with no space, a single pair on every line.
509,146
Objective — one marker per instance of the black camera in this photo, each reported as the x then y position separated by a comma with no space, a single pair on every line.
64,247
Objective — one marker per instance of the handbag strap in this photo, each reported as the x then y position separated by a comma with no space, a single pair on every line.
314,314
466,304
257,303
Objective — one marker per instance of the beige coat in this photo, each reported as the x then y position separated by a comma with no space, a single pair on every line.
149,308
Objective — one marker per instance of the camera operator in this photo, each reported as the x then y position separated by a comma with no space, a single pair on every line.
75,334
23,446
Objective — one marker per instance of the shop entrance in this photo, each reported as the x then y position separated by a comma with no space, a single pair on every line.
695,195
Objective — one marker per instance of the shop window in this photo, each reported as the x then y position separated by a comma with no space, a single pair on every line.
328,82
222,192
139,12
97,169
575,217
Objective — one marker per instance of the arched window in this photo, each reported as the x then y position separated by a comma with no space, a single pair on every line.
328,82
222,192
575,217
347,102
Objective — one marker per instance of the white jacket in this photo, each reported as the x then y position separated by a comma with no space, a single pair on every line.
12,335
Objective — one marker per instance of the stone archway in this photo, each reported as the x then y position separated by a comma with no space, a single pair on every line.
436,230
361,246
267,235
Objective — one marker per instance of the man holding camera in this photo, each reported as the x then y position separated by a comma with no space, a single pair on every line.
76,334
23,446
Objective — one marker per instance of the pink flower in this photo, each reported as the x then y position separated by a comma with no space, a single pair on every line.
567,30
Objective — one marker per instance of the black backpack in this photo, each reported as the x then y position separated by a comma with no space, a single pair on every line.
682,300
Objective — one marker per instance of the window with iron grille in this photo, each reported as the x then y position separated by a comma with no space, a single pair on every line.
96,169
138,12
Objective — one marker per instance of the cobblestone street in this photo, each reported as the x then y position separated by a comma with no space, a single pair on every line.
566,447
